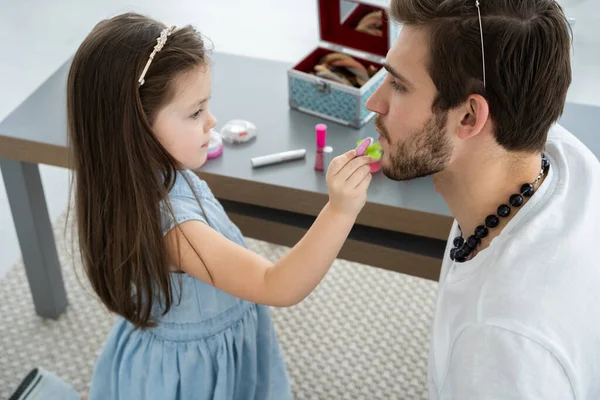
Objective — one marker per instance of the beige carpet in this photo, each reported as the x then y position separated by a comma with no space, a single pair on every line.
362,334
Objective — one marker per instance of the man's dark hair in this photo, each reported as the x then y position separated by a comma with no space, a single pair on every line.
527,61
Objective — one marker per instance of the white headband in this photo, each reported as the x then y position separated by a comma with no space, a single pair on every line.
160,42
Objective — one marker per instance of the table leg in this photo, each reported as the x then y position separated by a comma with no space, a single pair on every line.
36,239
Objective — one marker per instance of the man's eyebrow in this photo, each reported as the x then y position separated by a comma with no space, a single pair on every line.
396,74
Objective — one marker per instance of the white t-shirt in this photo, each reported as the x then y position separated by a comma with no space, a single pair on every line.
522,319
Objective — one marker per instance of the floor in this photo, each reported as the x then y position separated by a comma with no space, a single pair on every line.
37,36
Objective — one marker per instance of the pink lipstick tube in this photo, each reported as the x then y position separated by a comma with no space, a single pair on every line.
321,133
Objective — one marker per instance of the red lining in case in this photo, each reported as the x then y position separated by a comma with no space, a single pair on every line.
308,63
333,31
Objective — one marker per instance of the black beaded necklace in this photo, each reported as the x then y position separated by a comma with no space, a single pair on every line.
463,249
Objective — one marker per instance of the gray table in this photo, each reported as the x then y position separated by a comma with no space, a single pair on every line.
402,228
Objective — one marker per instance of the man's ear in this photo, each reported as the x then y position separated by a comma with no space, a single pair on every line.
473,114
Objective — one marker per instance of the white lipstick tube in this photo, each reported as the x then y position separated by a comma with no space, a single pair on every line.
277,158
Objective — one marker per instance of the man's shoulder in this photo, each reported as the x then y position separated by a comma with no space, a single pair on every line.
547,283
561,228
562,141
548,256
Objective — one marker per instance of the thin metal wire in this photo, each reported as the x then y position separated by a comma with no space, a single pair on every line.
481,34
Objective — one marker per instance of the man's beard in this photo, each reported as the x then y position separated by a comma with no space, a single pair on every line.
423,153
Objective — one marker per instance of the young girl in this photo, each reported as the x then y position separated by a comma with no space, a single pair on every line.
158,247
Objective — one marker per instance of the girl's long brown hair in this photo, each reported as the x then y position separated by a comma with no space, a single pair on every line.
122,173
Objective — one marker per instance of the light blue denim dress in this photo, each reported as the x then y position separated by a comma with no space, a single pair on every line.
211,345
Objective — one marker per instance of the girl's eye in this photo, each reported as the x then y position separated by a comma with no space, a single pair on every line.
196,114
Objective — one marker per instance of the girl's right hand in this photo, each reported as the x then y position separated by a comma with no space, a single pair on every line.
348,179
